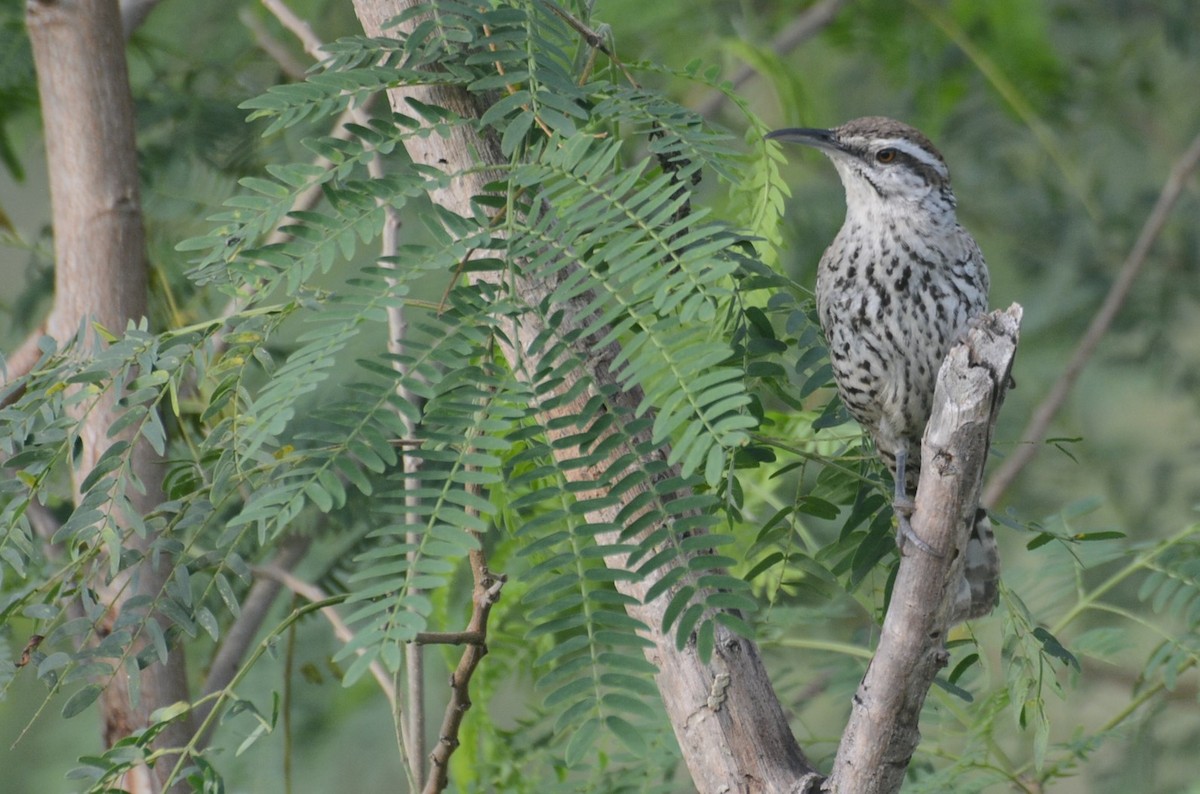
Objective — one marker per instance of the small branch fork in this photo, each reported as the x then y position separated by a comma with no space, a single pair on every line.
486,594
882,732
487,585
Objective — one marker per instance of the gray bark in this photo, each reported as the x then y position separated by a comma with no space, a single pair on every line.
882,733
100,277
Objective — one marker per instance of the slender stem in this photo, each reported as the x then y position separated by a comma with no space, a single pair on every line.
240,636
289,666
1035,431
811,21
1134,565
1143,697
193,746
845,649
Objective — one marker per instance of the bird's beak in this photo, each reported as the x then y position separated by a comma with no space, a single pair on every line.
817,138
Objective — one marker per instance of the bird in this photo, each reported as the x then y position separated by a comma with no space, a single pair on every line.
899,285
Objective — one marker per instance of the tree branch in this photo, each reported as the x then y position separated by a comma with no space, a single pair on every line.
485,594
882,733
450,638
298,27
811,21
1035,431
739,741
288,63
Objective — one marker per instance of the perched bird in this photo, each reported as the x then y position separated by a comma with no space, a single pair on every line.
896,289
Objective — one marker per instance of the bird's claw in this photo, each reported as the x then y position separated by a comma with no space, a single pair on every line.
903,506
905,533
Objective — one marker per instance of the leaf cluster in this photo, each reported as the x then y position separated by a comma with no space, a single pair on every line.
273,421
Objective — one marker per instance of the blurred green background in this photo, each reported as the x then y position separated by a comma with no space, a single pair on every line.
1060,120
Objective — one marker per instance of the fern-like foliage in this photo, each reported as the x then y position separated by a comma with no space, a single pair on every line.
292,407
1172,589
661,437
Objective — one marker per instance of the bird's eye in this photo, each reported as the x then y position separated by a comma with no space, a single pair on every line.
885,156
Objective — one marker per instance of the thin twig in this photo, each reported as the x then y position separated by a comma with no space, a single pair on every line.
298,27
594,40
1035,431
487,31
486,593
450,638
288,63
815,18
241,635
340,630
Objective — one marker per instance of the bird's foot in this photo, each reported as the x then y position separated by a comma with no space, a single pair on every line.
904,507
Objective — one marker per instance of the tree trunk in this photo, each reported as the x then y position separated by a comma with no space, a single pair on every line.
729,723
100,278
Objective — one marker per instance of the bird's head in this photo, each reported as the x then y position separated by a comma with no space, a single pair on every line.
881,162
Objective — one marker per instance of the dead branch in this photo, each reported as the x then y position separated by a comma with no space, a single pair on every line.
882,733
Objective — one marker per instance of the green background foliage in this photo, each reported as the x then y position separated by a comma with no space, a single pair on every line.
1059,121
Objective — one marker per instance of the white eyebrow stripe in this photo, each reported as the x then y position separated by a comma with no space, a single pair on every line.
917,153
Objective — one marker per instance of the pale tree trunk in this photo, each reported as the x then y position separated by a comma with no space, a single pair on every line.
100,278
729,723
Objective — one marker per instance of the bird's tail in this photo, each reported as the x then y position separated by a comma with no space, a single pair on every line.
979,590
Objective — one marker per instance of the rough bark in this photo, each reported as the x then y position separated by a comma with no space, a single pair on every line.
882,733
729,723
100,277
